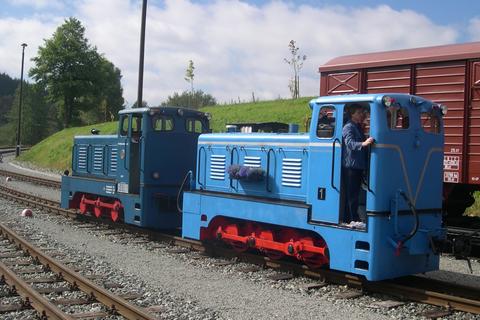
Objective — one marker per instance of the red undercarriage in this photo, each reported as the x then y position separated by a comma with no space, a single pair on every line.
100,206
275,243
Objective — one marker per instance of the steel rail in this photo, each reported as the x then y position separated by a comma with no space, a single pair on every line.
37,180
32,298
431,291
115,303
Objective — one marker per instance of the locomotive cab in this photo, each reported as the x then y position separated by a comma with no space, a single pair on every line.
135,175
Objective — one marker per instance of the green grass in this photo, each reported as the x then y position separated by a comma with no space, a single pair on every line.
287,111
55,152
474,210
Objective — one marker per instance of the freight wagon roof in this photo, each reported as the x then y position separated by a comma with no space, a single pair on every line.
401,57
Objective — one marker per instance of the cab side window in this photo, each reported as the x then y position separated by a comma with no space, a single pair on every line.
398,118
162,123
326,122
124,125
194,125
137,124
430,122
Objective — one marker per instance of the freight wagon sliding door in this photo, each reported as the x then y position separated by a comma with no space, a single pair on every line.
473,144
445,83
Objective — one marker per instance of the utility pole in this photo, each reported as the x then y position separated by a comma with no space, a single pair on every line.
142,54
19,126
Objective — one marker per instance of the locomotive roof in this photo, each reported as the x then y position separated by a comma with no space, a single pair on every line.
401,57
168,110
356,98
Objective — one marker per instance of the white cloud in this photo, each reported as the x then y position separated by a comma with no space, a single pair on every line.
38,4
14,32
474,29
238,48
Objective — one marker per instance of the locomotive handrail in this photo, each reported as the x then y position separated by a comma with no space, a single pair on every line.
367,173
88,158
105,159
198,165
74,163
231,163
267,185
125,156
414,230
332,176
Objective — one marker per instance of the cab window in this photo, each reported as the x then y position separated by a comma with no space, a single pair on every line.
162,123
137,124
326,122
194,125
398,118
124,125
430,122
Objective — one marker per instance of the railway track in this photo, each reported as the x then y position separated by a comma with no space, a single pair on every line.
36,180
19,260
419,289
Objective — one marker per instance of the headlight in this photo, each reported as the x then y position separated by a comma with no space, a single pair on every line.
444,109
388,101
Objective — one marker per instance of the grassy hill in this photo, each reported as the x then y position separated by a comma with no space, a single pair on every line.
55,151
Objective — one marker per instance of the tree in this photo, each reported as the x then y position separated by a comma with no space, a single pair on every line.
199,98
36,121
7,93
189,75
296,61
75,77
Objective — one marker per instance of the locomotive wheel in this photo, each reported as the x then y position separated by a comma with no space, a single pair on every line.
115,212
312,260
97,210
234,230
269,235
83,207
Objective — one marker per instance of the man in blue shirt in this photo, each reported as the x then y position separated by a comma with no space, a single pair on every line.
354,159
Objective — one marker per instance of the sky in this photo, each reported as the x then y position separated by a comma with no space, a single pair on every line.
238,47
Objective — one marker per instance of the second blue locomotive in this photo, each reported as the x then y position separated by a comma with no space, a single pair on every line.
282,194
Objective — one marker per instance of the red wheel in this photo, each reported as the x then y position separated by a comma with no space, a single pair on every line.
233,229
270,236
97,210
314,260
115,212
83,206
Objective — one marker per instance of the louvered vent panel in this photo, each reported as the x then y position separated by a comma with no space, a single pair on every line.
253,162
98,158
82,157
292,172
113,159
217,167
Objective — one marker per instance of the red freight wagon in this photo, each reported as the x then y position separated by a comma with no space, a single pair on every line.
449,75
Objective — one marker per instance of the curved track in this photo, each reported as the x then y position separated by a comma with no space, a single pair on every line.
445,294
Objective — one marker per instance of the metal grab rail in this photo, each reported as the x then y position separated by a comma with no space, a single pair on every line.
332,175
367,172
202,185
234,149
267,185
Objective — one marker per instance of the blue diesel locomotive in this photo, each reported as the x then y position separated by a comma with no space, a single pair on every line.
282,194
135,175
